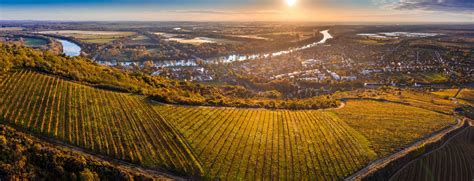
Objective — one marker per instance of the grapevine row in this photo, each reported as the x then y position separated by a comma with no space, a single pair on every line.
119,125
256,144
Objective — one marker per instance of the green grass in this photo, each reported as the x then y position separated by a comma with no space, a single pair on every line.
98,37
33,42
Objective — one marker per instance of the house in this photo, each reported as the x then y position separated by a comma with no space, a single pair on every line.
369,71
310,62
335,76
349,78
373,85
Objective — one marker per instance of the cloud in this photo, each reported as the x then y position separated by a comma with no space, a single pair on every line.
454,6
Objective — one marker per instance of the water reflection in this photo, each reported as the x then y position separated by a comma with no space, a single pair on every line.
70,48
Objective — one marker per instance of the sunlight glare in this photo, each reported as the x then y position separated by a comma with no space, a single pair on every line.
290,3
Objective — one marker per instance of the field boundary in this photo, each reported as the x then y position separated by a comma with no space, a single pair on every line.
341,105
384,167
389,101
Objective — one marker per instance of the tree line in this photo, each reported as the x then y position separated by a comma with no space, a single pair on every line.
85,71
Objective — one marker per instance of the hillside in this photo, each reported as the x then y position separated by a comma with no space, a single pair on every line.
253,144
116,114
26,157
205,141
453,161
465,96
161,89
390,126
110,123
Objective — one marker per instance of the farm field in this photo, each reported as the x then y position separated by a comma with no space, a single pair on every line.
23,153
452,162
10,29
34,42
98,37
466,94
97,120
256,144
419,99
213,133
225,143
389,126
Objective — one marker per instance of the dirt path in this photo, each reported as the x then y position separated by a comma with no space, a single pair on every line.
382,162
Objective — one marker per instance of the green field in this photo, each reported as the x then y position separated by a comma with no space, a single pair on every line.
227,143
98,37
34,42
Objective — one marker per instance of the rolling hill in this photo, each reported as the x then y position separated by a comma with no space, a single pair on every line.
210,142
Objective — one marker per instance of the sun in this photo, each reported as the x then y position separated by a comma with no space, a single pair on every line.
290,3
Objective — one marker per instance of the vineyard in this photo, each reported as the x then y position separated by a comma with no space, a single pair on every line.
454,161
109,123
2,76
230,143
389,126
465,96
414,98
256,144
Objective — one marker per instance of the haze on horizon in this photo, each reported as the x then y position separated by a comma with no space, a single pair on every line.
241,10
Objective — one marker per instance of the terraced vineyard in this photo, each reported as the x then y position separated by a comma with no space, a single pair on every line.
455,161
256,144
114,124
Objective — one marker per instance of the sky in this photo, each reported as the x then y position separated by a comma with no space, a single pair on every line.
241,10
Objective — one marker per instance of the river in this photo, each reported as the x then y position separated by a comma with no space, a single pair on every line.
70,48
238,57
233,58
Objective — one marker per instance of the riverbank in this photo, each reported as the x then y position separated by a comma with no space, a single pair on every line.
239,57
